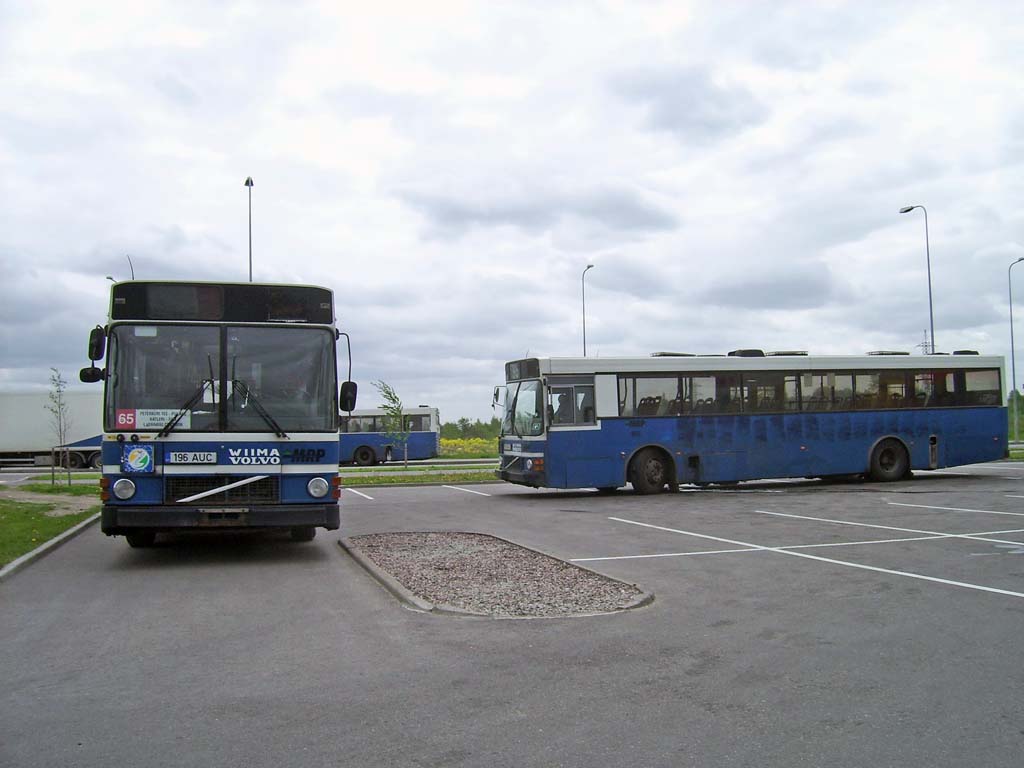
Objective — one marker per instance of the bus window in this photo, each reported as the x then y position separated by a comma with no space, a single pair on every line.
560,405
865,391
653,394
770,391
842,392
703,394
892,390
626,396
981,388
585,405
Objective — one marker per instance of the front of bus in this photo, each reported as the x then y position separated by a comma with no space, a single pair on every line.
522,443
220,409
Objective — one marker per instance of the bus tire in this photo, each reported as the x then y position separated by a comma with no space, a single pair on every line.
303,533
889,461
364,456
96,460
648,472
141,539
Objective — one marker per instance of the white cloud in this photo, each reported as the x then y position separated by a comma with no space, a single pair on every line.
734,171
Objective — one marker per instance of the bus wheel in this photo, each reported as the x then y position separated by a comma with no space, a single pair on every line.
648,472
303,533
889,461
364,456
141,539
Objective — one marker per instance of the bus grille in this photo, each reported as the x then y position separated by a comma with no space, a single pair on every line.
266,490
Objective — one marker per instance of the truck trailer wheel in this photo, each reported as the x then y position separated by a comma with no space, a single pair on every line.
96,460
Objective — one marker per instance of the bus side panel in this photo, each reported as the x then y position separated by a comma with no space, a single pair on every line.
422,445
585,458
349,442
725,448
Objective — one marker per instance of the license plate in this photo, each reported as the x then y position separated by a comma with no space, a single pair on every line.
191,457
515,447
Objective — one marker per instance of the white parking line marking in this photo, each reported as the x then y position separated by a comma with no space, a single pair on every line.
954,509
467,490
936,534
359,493
804,555
729,551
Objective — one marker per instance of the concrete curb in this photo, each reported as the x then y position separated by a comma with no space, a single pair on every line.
417,603
30,557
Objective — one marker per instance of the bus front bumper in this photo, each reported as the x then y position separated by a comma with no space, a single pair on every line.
116,520
531,479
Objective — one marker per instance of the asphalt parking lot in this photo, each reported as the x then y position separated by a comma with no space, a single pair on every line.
794,623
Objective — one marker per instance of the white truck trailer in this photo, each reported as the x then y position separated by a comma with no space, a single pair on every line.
28,436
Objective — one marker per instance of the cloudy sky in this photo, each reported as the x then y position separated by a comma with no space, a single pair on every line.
734,171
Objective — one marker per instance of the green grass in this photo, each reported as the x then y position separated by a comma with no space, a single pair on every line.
1017,454
63,490
438,478
25,525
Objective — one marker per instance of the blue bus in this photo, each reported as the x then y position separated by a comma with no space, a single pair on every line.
655,422
363,437
220,408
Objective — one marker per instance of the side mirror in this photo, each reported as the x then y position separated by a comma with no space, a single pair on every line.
347,398
91,375
97,343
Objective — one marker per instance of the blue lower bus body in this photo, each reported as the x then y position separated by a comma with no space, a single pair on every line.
422,445
279,498
731,448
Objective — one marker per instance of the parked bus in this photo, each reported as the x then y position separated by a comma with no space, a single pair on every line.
220,408
659,421
363,437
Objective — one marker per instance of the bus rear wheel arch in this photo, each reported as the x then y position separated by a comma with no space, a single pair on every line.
364,456
890,461
651,470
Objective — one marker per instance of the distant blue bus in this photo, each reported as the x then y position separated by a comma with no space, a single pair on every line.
655,422
363,440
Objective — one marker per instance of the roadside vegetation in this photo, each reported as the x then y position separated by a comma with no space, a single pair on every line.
469,448
25,525
421,478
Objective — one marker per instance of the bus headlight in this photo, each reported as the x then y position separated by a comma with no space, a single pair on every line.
317,487
124,488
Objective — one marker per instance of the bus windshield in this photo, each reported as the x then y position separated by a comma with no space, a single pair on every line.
523,414
277,379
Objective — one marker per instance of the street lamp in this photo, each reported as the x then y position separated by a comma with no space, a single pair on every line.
583,286
248,183
1013,359
928,256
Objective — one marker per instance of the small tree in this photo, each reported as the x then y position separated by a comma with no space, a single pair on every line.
60,420
394,421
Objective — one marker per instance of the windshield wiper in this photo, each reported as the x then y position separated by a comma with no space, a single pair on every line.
512,413
242,387
191,403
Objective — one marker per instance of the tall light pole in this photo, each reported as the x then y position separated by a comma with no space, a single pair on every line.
130,266
248,183
583,287
1013,359
928,256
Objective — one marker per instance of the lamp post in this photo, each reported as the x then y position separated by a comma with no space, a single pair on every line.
248,183
1013,359
583,287
928,256
130,266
